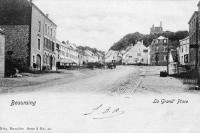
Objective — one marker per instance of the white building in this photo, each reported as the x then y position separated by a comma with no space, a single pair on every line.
183,51
137,54
67,54
112,56
90,56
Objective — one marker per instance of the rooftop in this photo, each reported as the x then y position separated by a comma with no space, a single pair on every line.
193,15
161,37
47,17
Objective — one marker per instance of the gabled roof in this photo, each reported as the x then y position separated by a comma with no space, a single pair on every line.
42,13
193,15
186,38
161,37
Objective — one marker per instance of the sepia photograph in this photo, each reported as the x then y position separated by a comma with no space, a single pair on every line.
99,66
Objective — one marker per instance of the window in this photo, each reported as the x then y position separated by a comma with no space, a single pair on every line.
45,28
165,49
33,59
145,50
38,44
165,57
48,30
157,48
52,46
186,58
44,42
39,26
51,32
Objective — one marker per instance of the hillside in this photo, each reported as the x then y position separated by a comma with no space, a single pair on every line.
131,38
94,50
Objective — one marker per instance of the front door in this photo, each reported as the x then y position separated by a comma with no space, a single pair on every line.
38,62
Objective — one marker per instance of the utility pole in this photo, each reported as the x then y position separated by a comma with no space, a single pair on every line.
167,58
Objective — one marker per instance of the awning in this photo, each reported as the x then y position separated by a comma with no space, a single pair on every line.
66,61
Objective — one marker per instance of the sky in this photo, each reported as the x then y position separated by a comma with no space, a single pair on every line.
100,23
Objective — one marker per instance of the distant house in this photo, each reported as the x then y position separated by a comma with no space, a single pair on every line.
137,54
67,54
184,51
100,57
112,56
90,56
159,51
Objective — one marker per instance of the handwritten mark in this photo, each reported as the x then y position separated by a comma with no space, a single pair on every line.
94,109
110,116
102,113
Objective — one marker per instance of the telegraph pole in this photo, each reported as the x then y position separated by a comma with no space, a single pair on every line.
167,58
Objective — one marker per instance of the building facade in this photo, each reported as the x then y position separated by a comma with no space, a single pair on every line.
112,56
184,51
2,54
90,56
137,54
30,35
193,38
159,51
67,54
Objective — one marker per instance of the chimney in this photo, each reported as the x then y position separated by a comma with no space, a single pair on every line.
47,15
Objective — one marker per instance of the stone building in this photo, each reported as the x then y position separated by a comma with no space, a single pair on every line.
158,51
183,51
2,55
156,29
193,38
30,35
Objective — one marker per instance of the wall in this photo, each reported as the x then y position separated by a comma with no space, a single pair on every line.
2,55
15,12
17,40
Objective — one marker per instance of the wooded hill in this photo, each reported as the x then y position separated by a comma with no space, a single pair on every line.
131,38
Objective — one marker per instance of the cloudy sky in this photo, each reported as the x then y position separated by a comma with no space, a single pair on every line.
100,23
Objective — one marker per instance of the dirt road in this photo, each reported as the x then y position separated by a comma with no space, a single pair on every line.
125,100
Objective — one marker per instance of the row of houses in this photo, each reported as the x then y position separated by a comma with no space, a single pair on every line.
68,54
30,39
155,54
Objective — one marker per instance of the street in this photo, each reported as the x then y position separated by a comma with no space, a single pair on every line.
125,99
